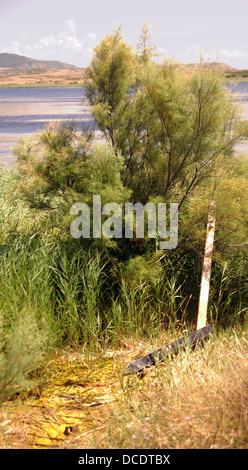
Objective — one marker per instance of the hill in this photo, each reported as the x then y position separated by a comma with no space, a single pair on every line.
215,66
20,62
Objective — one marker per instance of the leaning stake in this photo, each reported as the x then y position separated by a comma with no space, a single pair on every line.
206,270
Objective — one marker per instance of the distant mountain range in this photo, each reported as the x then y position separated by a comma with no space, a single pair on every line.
20,62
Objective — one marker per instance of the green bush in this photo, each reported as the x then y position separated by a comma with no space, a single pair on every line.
23,348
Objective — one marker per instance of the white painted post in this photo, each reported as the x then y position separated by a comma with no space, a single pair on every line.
206,270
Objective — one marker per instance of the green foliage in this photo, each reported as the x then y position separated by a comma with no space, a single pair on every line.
195,124
172,127
230,192
78,283
23,349
145,50
141,271
54,166
109,79
170,137
60,167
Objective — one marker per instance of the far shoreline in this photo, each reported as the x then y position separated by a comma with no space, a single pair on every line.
81,85
39,78
73,78
45,85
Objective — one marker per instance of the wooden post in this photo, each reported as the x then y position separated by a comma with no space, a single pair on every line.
206,270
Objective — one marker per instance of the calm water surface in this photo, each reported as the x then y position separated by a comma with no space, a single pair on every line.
24,111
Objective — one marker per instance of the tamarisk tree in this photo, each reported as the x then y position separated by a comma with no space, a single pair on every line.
172,125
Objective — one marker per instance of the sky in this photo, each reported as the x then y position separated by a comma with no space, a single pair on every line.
69,30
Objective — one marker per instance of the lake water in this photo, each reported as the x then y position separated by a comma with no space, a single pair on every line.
24,111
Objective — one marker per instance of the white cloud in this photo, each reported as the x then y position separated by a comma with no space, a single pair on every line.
92,36
220,55
65,46
72,27
14,48
66,40
233,54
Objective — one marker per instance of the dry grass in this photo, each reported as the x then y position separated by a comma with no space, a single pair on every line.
50,77
196,400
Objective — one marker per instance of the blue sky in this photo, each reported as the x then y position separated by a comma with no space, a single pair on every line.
68,30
